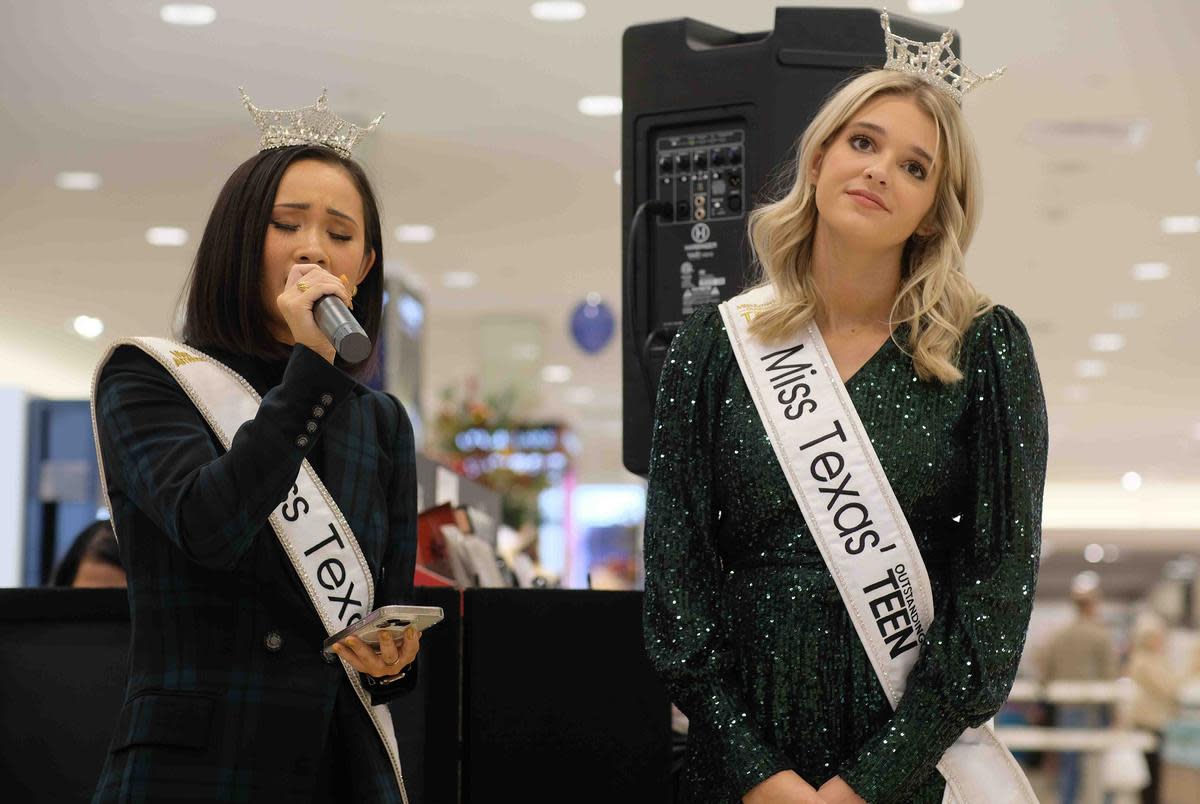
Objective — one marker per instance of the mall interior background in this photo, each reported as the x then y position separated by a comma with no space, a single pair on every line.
498,168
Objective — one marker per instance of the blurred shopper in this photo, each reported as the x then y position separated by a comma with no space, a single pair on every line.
263,498
1157,701
1080,651
854,444
93,561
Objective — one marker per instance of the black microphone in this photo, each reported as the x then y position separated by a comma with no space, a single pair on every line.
342,329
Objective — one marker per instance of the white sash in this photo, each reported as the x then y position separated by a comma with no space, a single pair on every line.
310,526
859,528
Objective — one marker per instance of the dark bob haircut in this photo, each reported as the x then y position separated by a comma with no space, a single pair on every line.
95,542
224,307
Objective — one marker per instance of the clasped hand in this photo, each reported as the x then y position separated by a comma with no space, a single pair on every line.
786,787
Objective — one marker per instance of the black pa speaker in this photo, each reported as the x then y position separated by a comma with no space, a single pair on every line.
711,121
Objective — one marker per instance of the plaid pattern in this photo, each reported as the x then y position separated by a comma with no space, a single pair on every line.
212,712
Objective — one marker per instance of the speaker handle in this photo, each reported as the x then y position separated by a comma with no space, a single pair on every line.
632,313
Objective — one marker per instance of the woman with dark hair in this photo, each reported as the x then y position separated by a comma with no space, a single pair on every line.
93,560
263,499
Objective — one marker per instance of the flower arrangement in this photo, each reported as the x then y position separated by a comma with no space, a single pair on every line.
485,440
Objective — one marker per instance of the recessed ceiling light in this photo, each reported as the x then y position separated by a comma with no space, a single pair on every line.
1090,369
934,6
1093,554
556,374
77,180
87,327
1131,481
415,233
558,11
460,280
1150,271
187,14
617,177
594,299
166,236
1127,311
1180,224
1107,342
600,105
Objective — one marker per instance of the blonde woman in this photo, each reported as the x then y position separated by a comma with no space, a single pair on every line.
743,619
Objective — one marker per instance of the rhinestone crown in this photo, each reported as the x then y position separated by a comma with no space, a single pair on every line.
309,125
932,62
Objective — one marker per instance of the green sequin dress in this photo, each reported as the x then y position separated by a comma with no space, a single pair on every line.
744,623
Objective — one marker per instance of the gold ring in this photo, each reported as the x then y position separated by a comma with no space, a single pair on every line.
303,286
393,662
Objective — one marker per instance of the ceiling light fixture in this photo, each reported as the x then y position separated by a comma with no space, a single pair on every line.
1107,342
1151,271
561,11
934,6
556,374
87,327
166,236
1180,224
1090,369
460,280
77,180
187,14
415,233
600,105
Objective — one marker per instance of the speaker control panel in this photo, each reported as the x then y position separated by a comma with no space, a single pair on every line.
701,175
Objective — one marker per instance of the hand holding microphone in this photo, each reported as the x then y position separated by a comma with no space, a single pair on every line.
314,306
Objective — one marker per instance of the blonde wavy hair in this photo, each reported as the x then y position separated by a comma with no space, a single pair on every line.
936,299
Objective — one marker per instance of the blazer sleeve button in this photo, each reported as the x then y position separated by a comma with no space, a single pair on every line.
310,426
326,399
302,441
273,641
318,411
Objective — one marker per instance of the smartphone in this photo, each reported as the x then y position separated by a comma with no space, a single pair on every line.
394,619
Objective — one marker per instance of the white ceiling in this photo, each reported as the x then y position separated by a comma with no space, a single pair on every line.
483,141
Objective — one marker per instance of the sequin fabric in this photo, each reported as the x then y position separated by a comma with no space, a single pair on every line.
744,623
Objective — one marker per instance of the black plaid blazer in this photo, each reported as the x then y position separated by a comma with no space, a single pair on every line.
228,697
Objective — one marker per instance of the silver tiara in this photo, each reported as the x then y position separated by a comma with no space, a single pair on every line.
932,62
309,125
